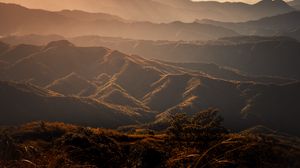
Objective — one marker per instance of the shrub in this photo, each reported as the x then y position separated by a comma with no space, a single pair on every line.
204,126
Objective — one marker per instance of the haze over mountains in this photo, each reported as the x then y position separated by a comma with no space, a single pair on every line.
73,23
171,10
85,23
283,61
68,23
281,25
176,83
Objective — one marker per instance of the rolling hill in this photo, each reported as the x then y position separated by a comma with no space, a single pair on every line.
13,54
21,103
141,88
251,55
149,83
227,53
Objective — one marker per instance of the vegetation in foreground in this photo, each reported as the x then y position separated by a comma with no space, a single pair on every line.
197,141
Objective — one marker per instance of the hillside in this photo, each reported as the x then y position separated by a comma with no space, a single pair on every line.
21,103
15,53
197,55
149,84
251,55
63,145
252,102
262,103
143,88
73,84
118,97
228,73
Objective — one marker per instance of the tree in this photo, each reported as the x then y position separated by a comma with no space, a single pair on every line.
204,126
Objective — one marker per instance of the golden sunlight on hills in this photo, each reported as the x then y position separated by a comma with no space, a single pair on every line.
149,83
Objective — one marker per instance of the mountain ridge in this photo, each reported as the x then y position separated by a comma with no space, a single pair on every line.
28,21
149,85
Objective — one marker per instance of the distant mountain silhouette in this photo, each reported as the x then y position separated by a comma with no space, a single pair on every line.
230,11
269,26
238,49
130,89
253,55
227,73
33,39
185,10
87,16
73,23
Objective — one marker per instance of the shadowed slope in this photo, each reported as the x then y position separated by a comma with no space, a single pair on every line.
18,52
124,99
251,55
73,84
56,60
274,104
143,88
22,103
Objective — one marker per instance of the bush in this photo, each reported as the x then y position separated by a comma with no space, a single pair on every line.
204,126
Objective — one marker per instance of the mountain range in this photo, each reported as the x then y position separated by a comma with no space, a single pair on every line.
113,87
230,55
73,23
231,11
269,26
149,83
252,55
172,10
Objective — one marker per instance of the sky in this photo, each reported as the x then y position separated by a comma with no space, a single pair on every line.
63,4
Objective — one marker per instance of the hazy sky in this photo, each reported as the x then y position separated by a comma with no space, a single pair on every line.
65,4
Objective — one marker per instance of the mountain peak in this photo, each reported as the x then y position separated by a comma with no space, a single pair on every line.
59,43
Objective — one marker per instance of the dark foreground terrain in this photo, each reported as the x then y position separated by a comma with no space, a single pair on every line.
200,141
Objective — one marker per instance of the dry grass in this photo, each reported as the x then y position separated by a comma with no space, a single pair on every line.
59,145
